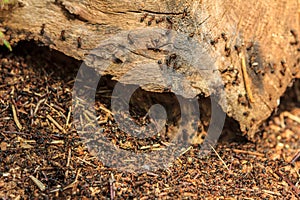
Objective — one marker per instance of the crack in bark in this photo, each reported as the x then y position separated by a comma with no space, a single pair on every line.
162,13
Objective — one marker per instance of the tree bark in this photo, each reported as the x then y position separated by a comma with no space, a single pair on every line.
255,44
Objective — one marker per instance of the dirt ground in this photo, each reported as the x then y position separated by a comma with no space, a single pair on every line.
42,156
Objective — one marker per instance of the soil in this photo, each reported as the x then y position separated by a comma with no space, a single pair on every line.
43,157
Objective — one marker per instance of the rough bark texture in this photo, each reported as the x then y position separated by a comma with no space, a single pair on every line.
263,33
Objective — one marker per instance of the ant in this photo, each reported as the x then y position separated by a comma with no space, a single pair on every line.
43,29
79,43
173,56
227,49
224,36
62,35
160,20
242,100
250,46
151,19
272,67
214,41
284,65
143,17
280,83
159,62
238,48
295,35
246,114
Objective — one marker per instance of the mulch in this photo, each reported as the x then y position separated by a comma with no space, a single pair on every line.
43,157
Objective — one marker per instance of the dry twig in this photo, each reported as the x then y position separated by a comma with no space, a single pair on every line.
246,79
294,188
220,157
40,185
15,116
56,124
111,186
290,116
248,152
296,157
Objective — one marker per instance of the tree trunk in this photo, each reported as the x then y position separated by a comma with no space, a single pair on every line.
253,44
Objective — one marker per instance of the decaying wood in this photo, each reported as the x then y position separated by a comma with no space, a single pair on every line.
266,31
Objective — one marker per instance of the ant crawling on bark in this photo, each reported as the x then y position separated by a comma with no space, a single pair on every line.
143,17
159,20
63,35
150,20
79,42
42,32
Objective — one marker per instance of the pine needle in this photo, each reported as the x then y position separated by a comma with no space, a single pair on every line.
220,157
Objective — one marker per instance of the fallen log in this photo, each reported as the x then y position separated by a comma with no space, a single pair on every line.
254,46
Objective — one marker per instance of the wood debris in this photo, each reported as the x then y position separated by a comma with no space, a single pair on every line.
38,183
15,116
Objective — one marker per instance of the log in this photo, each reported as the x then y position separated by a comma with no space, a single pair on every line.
254,46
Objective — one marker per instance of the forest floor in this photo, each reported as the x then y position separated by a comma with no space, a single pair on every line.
43,157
